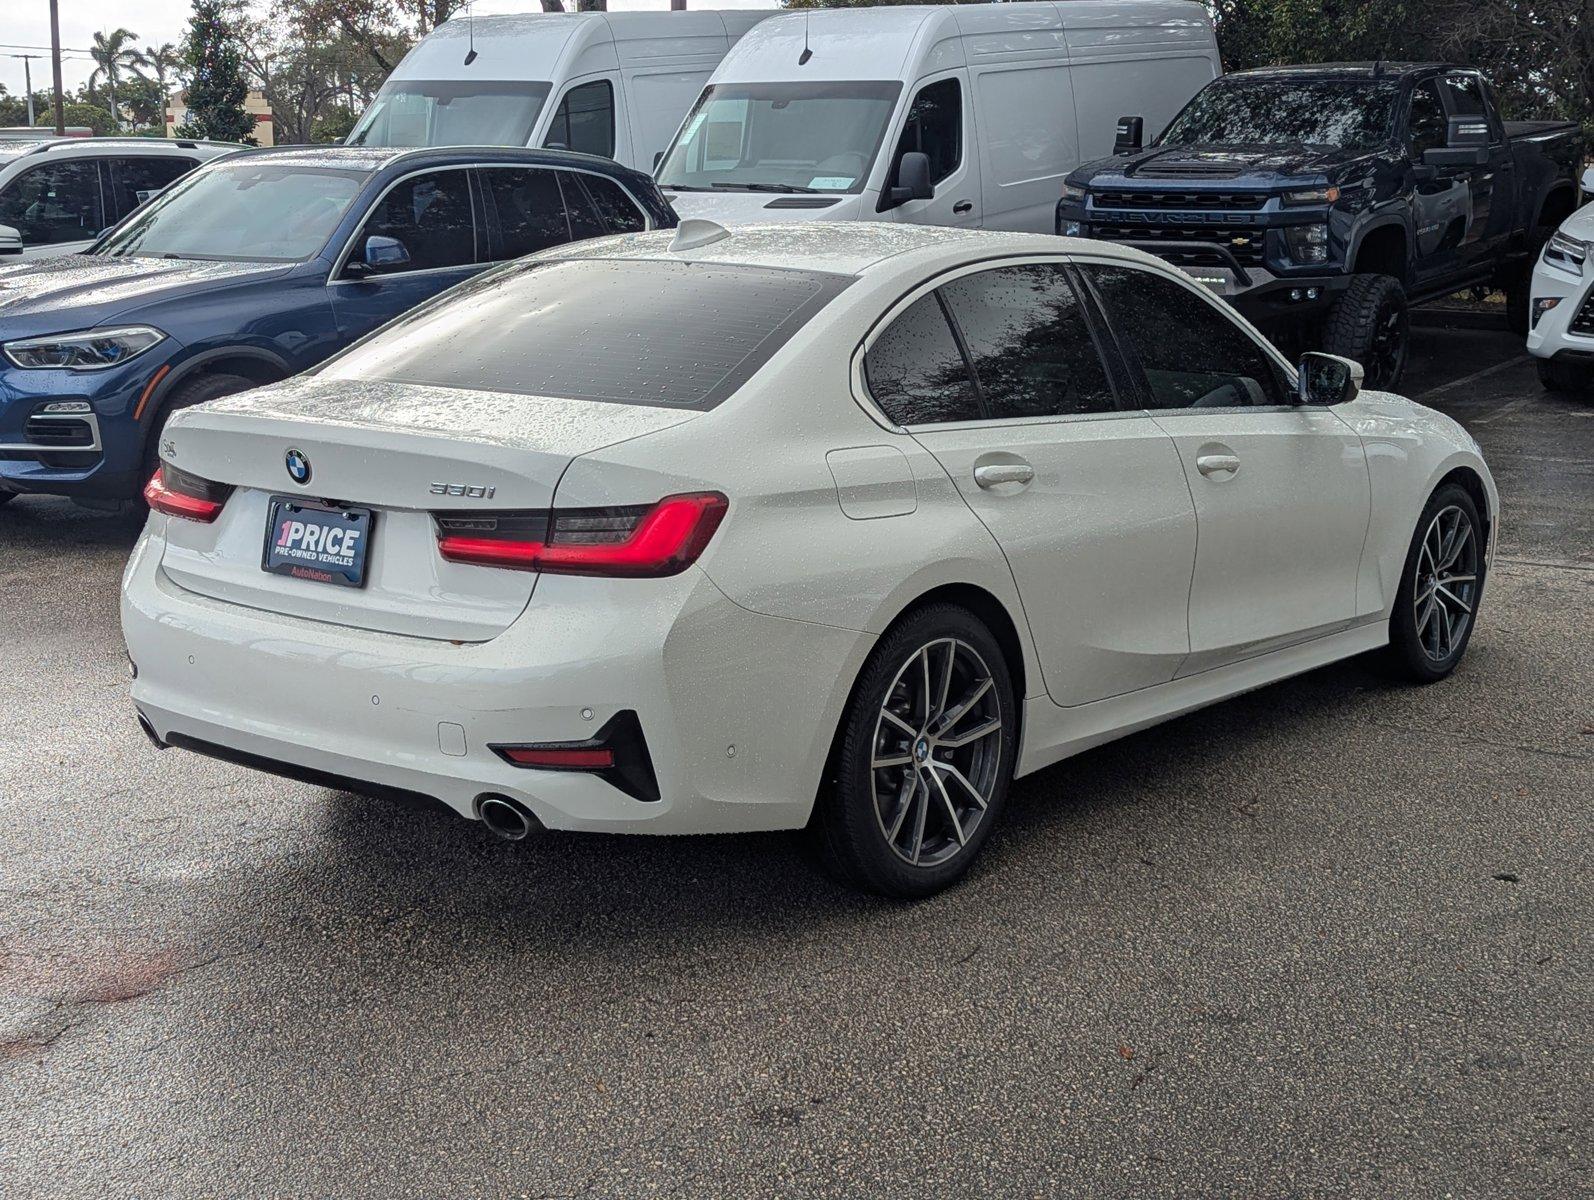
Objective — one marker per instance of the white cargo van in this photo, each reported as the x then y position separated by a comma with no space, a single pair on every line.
957,115
615,84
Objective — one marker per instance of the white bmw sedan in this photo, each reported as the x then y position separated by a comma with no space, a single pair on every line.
841,525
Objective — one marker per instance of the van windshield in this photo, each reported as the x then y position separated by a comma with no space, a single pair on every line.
781,137
422,112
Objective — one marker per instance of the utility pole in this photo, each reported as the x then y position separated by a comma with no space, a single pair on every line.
27,74
55,65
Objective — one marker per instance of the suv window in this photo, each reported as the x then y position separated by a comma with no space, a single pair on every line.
54,203
935,127
135,180
585,220
1426,129
1029,345
619,212
531,213
431,216
916,372
584,121
1192,353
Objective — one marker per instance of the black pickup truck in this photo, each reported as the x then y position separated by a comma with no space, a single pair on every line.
1324,200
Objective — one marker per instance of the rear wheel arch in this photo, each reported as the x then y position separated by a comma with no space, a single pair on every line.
1559,203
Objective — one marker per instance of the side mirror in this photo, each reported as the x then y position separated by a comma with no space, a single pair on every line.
913,179
1131,135
1327,379
384,253
10,240
658,157
1466,144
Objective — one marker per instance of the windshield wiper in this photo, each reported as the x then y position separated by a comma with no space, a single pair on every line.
684,187
767,187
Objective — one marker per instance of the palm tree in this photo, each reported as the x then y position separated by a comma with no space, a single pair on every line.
162,62
112,52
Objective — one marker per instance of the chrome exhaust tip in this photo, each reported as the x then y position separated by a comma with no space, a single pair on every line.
505,818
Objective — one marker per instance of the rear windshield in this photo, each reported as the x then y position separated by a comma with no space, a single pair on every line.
626,331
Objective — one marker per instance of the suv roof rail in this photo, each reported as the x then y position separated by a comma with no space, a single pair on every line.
51,142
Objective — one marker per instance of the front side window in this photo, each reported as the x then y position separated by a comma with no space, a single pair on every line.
612,330
1427,128
781,137
1193,355
55,203
1028,343
243,210
935,128
136,181
420,112
1252,110
584,121
531,212
915,371
430,216
1467,98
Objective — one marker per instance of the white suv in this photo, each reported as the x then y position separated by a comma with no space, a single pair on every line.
1561,335
58,194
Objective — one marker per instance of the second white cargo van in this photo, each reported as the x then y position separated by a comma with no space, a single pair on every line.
614,84
956,115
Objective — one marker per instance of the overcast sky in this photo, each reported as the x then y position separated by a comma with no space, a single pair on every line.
27,23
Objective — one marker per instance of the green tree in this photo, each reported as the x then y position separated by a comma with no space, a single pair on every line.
113,54
216,87
160,64
91,115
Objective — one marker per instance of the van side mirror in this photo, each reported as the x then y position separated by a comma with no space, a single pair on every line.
913,179
1466,144
1324,380
1131,135
10,240
658,157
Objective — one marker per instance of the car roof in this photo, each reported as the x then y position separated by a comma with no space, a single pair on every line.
1345,70
837,247
376,158
47,145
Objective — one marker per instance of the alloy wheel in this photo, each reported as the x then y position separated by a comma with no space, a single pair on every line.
1387,355
938,745
1445,590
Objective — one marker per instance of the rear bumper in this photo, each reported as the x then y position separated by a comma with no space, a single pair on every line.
738,710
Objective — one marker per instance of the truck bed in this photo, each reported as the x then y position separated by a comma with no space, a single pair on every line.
1517,131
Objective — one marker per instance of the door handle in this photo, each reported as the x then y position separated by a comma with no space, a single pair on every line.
995,474
1217,464
963,206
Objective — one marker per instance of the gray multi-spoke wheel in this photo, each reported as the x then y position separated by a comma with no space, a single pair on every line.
924,755
1438,602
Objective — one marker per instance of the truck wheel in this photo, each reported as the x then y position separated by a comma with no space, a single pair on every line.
1371,324
1563,377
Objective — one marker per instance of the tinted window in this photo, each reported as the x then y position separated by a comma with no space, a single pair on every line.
430,215
618,210
1193,355
915,371
246,209
136,180
584,121
1466,95
627,331
935,127
424,112
1027,339
531,213
56,203
585,219
1257,110
1427,128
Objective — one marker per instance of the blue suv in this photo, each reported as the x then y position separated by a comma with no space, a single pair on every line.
253,268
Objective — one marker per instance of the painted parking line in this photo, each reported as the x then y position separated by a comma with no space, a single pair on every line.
1473,378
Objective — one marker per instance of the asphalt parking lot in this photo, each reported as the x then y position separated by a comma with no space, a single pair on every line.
1331,939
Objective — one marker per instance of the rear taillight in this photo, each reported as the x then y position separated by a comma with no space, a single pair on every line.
179,494
641,541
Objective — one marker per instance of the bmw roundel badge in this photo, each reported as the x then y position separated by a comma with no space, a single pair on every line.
298,464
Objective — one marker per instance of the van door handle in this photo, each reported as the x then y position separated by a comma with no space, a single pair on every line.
992,475
1218,464
963,206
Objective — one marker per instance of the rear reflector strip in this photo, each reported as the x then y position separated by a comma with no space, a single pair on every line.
558,758
618,754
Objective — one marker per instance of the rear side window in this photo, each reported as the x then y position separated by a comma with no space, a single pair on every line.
137,180
585,219
1192,354
531,212
55,203
430,216
619,212
584,121
1028,342
935,127
915,371
625,331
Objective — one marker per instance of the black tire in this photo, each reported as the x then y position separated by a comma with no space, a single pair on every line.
1556,376
7,497
193,391
951,822
1518,297
1417,651
1370,324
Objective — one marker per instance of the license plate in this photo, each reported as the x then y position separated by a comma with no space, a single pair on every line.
317,542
